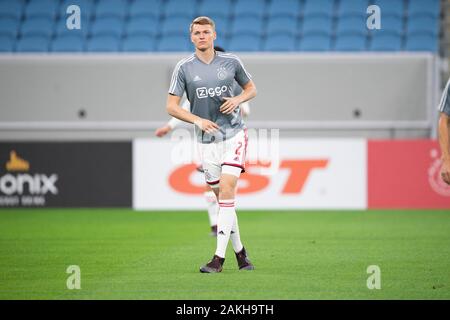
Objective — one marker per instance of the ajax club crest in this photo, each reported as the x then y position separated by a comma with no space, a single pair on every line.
222,73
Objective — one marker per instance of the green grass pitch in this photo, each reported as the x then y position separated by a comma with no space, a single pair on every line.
125,254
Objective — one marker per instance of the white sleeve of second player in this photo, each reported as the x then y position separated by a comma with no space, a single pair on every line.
245,106
173,122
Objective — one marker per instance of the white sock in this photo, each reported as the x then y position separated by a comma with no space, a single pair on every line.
235,237
225,222
212,206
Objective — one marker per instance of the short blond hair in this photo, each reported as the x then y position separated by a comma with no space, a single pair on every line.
202,21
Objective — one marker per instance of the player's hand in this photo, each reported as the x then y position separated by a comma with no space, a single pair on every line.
161,132
229,105
207,126
445,171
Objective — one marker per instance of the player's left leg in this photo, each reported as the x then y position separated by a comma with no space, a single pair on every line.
227,224
212,207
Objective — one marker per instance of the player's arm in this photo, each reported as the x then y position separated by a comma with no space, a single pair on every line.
172,123
248,92
444,141
174,109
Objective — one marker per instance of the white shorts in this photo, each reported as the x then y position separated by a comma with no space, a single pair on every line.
223,157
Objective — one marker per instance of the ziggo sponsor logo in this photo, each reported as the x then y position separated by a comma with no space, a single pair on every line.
210,92
299,171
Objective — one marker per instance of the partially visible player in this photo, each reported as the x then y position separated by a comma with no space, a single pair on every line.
444,132
209,196
207,78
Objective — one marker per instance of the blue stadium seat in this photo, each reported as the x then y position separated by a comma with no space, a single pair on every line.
181,8
87,8
315,42
356,8
62,30
392,25
282,24
6,44
9,27
317,25
103,44
150,8
138,43
279,42
351,25
174,43
386,42
251,25
244,43
422,42
67,43
318,8
249,8
42,8
283,8
424,8
211,9
142,26
11,9
112,26
391,8
175,26
32,44
111,8
37,26
423,25
351,43
222,26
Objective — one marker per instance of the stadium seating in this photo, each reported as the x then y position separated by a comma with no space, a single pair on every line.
386,42
37,26
42,8
103,43
107,26
6,44
186,8
284,8
9,27
67,43
318,8
111,8
145,8
395,8
174,43
350,8
422,42
249,8
244,42
33,44
351,25
11,9
317,25
149,25
139,43
142,26
282,24
279,42
211,9
315,42
251,25
352,42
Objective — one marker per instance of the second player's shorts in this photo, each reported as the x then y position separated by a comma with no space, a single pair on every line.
226,156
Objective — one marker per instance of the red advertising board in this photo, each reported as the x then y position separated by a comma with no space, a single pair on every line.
405,174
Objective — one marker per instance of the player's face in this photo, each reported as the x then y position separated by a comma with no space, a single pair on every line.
203,37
